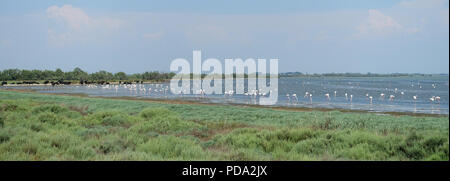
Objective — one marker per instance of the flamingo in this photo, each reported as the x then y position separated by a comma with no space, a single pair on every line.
351,98
335,92
295,96
370,98
346,98
306,94
310,98
382,96
391,98
327,96
288,97
437,99
415,98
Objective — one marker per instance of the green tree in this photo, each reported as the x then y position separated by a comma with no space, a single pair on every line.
59,74
120,76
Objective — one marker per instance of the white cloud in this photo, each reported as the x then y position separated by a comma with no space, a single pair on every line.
378,23
74,17
77,25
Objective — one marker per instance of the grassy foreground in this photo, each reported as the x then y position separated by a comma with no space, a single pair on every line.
54,127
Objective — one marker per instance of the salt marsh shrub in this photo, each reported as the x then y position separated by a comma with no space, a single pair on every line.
95,131
5,135
2,120
173,148
47,117
110,118
167,124
9,106
53,108
150,113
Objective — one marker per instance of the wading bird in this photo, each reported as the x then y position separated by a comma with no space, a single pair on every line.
437,99
327,96
295,97
382,96
391,98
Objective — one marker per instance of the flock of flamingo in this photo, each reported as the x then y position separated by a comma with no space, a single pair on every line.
142,89
292,97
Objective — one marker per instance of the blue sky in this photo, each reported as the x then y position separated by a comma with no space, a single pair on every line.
382,36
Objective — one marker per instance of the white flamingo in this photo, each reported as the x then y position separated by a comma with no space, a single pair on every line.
437,99
382,96
306,95
295,96
391,98
327,96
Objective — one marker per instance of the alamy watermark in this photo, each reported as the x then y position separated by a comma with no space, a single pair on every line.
208,77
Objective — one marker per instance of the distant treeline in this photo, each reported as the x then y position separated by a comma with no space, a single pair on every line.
299,74
79,75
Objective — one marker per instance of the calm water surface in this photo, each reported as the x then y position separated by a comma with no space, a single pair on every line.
358,91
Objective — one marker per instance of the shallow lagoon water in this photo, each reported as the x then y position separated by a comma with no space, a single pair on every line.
403,88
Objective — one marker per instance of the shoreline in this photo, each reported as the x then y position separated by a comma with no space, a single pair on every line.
177,101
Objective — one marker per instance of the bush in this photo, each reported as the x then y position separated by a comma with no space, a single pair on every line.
169,124
110,118
47,117
173,148
8,106
53,108
2,120
4,135
432,143
150,113
96,131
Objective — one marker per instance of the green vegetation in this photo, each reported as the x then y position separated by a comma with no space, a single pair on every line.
78,75
14,76
52,127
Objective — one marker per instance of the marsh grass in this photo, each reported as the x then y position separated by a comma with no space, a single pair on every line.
50,127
